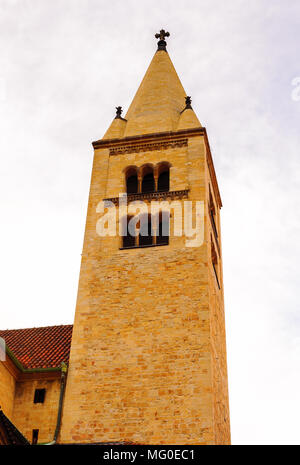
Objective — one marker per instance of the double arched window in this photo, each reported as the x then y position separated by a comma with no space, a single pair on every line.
146,230
148,178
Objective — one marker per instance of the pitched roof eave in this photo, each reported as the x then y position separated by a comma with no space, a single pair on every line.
38,349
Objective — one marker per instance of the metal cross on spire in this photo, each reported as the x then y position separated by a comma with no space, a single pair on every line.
161,35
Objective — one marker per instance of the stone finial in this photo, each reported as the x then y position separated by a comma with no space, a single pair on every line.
161,35
188,102
119,112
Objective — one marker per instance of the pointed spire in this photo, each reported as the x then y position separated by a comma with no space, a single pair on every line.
188,118
117,127
157,104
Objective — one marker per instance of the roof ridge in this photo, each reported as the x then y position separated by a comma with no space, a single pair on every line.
37,327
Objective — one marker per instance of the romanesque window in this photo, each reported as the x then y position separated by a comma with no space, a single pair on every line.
148,183
128,239
148,178
151,231
163,229
163,181
131,180
145,234
39,396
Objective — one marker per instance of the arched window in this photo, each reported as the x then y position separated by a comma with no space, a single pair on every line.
128,239
131,180
163,182
163,228
145,235
144,231
148,184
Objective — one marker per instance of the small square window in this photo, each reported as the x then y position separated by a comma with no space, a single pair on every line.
39,396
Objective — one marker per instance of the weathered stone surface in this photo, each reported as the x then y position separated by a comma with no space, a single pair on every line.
28,416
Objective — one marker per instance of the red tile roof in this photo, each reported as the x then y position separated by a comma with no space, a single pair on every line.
40,347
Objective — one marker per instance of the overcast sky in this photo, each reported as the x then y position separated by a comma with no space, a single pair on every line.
64,66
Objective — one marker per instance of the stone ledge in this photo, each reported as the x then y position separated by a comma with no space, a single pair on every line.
151,195
142,246
148,147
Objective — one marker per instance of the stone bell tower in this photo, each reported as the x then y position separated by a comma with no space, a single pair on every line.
148,354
